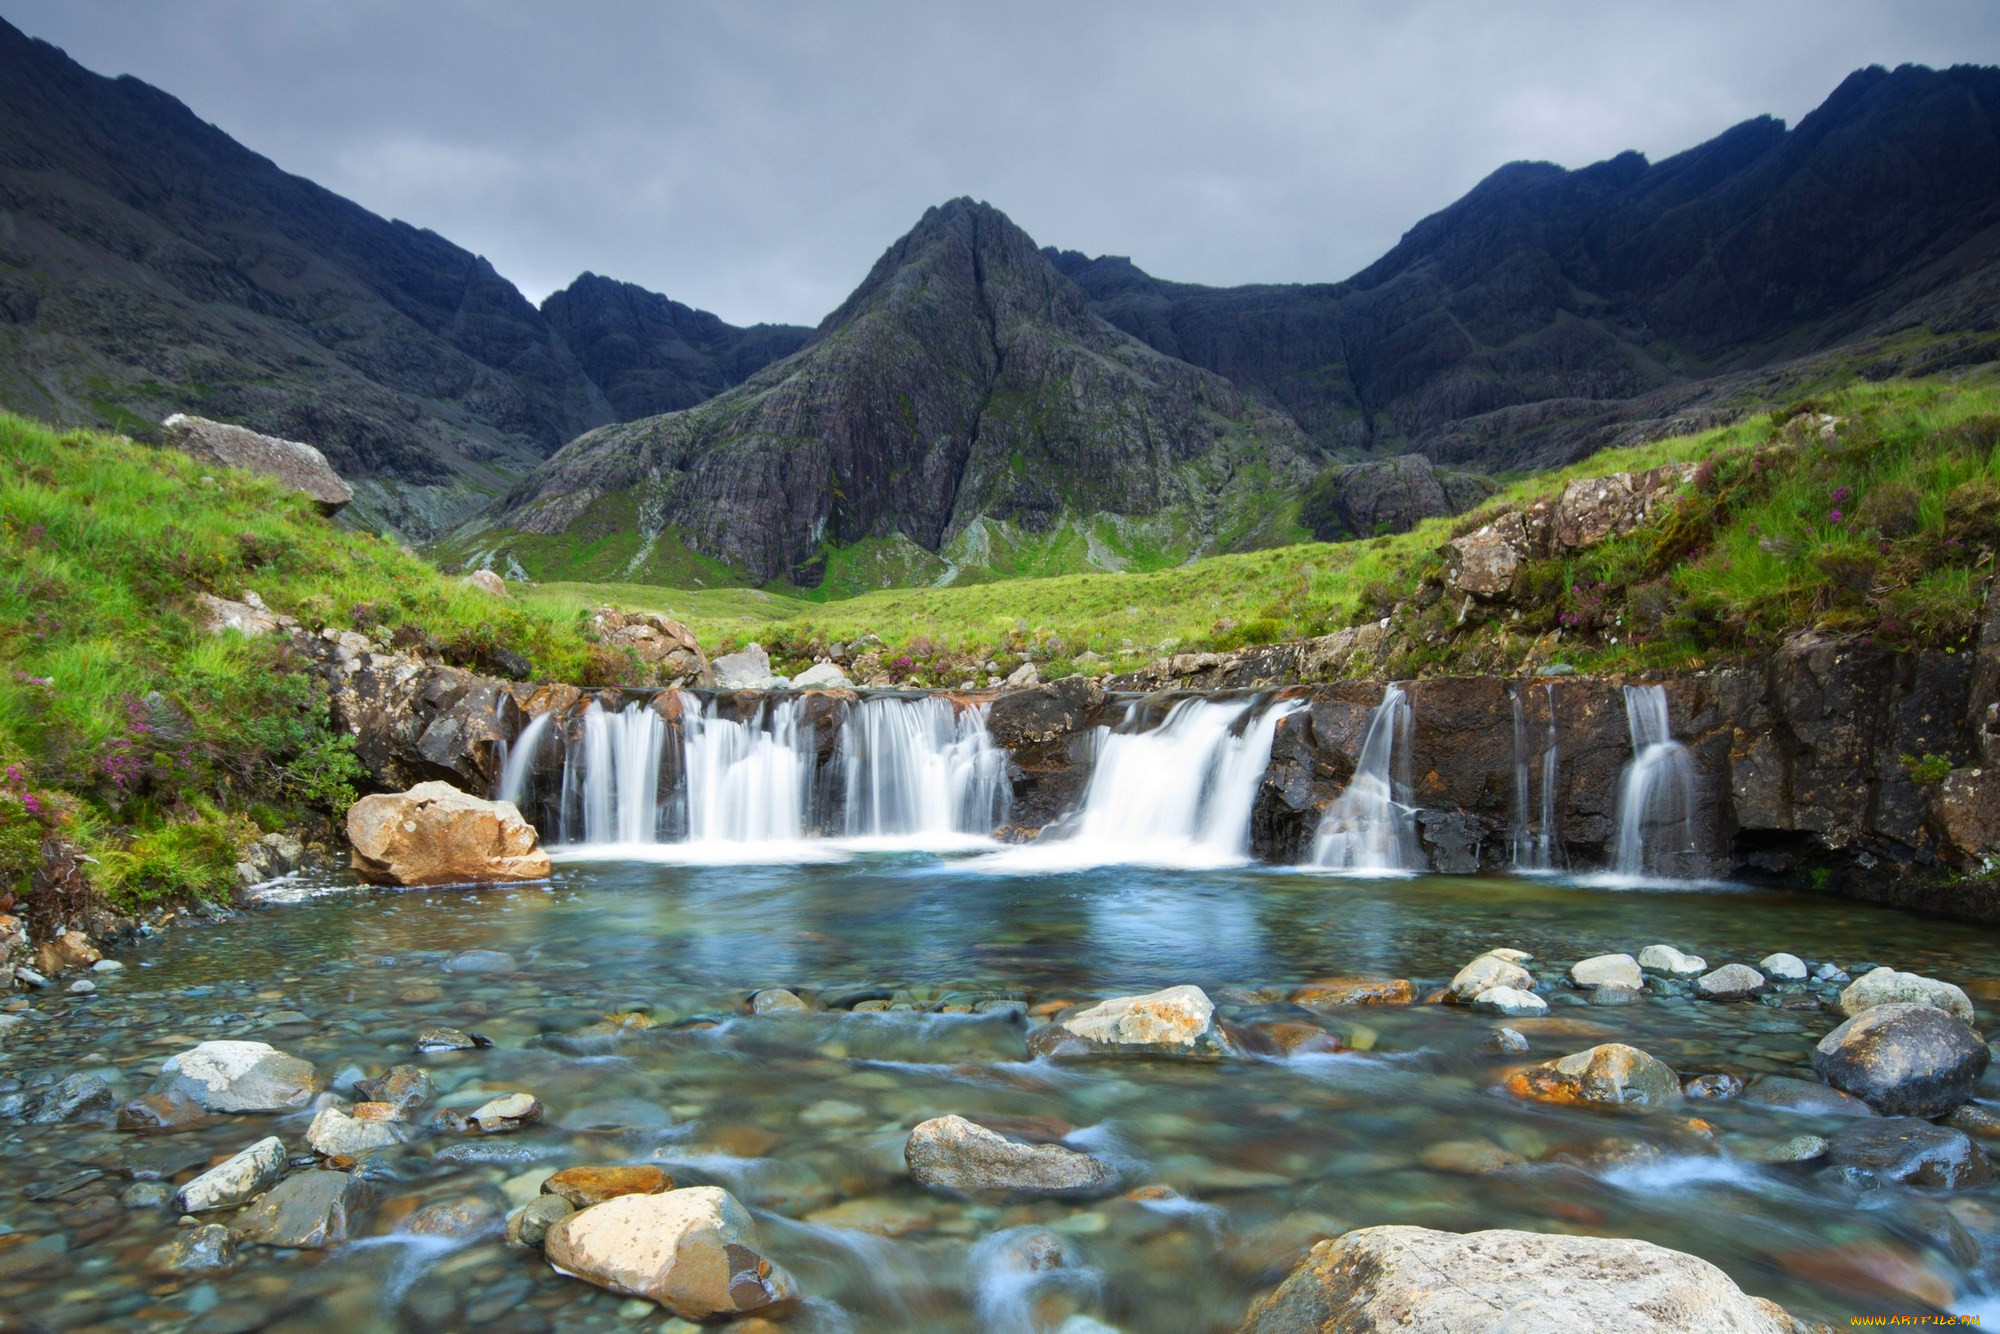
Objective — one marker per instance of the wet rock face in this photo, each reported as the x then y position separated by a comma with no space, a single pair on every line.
1175,1020
233,1076
306,1211
436,835
297,466
695,1251
1419,1281
1609,1075
1911,1151
1886,986
954,1156
1903,1059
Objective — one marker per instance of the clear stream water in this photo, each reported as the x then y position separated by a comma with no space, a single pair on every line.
804,1116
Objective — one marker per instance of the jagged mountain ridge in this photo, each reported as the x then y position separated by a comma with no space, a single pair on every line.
1514,327
650,354
965,379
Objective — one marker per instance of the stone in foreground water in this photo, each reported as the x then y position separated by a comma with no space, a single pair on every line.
1419,1281
1903,1060
230,1183
1612,1074
957,1157
695,1251
305,1211
1910,1150
233,1076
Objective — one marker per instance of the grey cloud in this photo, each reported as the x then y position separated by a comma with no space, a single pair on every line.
754,159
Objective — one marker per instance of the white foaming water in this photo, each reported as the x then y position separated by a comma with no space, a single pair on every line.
1175,795
748,780
621,774
1655,793
1372,825
1534,845
921,773
519,766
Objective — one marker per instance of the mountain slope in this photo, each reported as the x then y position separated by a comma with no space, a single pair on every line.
1498,330
652,355
149,264
964,384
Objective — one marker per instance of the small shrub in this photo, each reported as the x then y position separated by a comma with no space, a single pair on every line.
324,773
1892,509
1928,769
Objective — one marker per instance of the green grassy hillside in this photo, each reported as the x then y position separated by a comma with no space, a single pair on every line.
152,745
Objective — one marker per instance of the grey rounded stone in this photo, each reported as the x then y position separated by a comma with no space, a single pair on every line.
1903,1060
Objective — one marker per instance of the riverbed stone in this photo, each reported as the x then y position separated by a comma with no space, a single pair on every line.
435,834
1910,1151
306,1211
1334,992
1415,1280
1510,1001
954,1156
1488,971
335,1133
1802,1096
1612,1074
1886,986
776,1000
157,1113
72,1097
404,1087
1783,967
446,1039
461,1219
1608,970
1667,960
238,1076
1732,981
1175,1019
1903,1059
206,1249
588,1185
529,1225
507,1113
234,1180
695,1251
1505,1042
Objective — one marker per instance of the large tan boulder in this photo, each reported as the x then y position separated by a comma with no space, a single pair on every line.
663,644
694,1251
436,835
298,466
1414,1280
1612,1074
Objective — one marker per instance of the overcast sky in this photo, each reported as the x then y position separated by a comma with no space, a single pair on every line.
755,158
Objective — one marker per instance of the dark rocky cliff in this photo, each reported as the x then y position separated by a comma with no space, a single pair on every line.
150,264
965,378
1545,308
650,354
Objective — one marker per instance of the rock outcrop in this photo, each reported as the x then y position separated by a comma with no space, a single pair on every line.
666,649
1418,1281
435,834
296,466
695,1251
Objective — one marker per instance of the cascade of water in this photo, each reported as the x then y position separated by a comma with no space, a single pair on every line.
921,768
1545,838
1534,842
621,774
1656,791
517,764
1372,825
748,780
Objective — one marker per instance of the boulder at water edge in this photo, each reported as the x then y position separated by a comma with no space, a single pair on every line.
436,835
956,1157
1609,1075
228,1076
694,1251
1177,1020
1903,1059
1414,1280
1886,986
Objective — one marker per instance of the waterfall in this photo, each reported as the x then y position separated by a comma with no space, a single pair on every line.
1372,825
517,763
919,768
621,774
748,780
1179,794
1656,791
1534,843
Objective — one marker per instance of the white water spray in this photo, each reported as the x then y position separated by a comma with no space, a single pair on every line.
919,768
1372,825
748,780
621,774
518,766
1655,793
